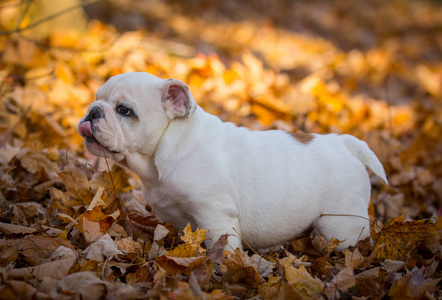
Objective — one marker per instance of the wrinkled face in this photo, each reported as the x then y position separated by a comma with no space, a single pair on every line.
131,113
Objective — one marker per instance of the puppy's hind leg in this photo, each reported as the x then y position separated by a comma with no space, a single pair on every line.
349,228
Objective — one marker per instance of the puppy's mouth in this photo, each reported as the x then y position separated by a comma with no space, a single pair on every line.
85,131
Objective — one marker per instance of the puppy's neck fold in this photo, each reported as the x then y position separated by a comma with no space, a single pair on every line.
141,165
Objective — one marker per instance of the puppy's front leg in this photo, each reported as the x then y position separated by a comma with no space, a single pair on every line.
218,224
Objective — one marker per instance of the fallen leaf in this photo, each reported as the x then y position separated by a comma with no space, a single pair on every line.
159,234
345,279
392,266
13,289
236,269
301,278
6,228
104,248
398,238
85,285
54,269
413,285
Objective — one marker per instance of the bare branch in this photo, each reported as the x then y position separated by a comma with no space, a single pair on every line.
23,14
56,15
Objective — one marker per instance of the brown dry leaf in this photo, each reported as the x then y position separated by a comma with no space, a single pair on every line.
392,266
236,269
142,274
413,285
323,246
371,282
13,289
34,249
301,278
84,285
128,245
64,203
397,237
353,260
34,162
157,248
214,256
141,218
104,248
54,269
8,229
93,224
345,279
305,245
77,186
179,265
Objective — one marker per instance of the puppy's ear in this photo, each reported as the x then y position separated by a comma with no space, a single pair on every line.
177,100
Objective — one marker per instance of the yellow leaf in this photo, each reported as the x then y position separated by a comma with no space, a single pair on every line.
194,238
184,250
301,278
192,243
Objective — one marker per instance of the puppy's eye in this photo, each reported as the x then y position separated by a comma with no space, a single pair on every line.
124,110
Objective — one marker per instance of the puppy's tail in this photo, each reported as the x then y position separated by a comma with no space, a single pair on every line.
360,149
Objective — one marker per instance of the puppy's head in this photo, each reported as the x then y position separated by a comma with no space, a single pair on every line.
131,112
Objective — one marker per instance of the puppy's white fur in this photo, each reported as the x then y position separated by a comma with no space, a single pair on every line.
194,168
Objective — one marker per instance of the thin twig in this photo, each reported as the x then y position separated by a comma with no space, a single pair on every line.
348,215
357,241
23,14
56,15
126,220
113,186
343,215
245,242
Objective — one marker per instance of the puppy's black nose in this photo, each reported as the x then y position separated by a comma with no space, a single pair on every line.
95,113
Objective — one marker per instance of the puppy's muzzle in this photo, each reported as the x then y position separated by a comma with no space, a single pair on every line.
95,113
85,128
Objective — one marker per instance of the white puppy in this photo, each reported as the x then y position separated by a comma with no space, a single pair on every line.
268,185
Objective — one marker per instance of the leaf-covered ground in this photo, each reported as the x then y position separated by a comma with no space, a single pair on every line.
74,226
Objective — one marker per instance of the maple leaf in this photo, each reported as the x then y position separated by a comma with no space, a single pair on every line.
192,243
76,183
193,238
397,238
300,278
236,269
94,223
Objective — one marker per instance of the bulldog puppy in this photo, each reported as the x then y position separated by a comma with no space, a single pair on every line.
268,185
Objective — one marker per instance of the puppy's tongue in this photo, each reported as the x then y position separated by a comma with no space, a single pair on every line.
85,129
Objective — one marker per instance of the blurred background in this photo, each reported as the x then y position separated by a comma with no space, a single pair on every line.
370,68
